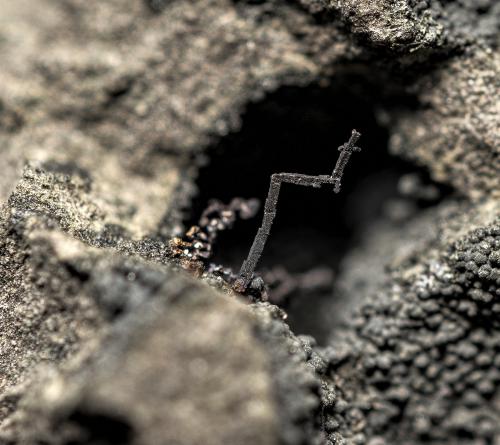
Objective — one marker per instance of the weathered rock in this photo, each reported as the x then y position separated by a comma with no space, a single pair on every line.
150,385
455,131
99,344
415,26
416,359
105,115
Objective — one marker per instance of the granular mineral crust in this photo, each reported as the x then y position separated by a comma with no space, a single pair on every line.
426,341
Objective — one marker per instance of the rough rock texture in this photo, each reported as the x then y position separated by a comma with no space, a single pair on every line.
99,74
409,26
394,24
425,343
110,400
77,319
455,134
113,333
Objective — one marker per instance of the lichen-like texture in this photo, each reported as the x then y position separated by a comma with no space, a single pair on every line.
371,318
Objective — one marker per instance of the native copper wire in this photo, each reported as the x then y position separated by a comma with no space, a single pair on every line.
247,269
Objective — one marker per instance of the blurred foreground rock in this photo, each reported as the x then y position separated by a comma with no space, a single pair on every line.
98,346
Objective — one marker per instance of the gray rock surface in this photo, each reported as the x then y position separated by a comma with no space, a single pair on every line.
145,369
111,331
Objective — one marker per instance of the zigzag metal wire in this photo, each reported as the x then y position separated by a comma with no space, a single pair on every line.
270,208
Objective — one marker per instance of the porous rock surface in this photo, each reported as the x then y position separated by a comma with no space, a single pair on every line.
105,113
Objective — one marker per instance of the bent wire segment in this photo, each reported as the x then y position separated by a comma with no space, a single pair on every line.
270,207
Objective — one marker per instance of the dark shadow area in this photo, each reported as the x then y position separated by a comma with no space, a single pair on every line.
100,429
299,130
